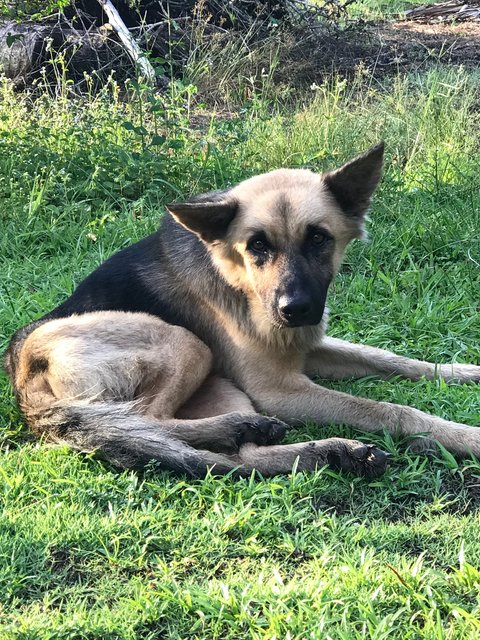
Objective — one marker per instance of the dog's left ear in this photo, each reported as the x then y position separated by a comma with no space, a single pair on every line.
353,184
208,220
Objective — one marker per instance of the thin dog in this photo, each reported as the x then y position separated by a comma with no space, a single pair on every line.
171,348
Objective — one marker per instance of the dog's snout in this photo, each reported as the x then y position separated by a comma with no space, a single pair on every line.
294,308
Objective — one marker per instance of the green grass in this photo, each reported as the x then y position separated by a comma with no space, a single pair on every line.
383,9
88,552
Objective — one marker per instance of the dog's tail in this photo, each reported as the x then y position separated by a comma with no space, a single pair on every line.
124,438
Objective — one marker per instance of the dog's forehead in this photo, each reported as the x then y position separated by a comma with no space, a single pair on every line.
286,201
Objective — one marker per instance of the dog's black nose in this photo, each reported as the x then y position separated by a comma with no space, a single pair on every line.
294,309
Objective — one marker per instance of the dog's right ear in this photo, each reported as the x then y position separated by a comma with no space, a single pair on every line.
353,184
208,220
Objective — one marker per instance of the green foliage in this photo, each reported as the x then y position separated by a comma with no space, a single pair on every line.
381,9
31,9
87,552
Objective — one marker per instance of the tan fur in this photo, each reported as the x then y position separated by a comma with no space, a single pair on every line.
162,357
207,397
307,201
163,371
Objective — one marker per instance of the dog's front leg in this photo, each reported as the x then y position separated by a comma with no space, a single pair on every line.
341,359
302,400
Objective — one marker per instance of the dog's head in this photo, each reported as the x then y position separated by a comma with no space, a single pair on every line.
280,236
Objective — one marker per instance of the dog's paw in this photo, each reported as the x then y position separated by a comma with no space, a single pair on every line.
261,430
358,458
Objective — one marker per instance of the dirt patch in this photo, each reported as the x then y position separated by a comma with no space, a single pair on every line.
451,43
380,48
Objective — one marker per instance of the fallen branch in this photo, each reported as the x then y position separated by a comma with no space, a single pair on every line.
455,9
131,46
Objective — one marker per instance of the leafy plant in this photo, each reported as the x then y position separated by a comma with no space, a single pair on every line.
32,9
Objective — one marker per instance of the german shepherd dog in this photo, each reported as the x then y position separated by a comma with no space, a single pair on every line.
171,348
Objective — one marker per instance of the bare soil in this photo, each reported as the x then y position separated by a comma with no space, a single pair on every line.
448,42
382,48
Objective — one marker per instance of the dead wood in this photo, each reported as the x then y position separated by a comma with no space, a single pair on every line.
452,10
27,47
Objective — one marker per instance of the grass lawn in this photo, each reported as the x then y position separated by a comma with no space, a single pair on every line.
381,9
88,552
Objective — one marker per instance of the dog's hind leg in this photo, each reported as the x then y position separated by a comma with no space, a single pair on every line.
118,434
341,359
225,433
113,361
215,396
128,440
337,453
218,416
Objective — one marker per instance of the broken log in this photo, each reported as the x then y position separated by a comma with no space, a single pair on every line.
452,10
27,47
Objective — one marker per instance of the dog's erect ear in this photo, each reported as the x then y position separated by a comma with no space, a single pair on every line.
353,184
209,220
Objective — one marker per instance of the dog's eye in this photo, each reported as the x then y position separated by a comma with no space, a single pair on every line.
318,238
258,245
